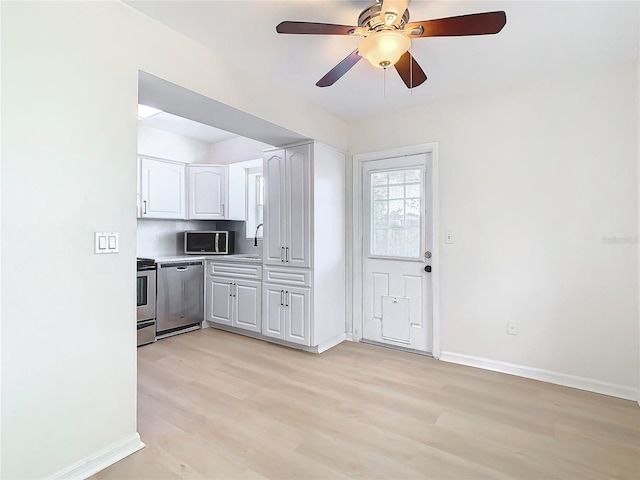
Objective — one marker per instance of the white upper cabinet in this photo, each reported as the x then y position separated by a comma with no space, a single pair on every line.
287,214
162,189
274,208
298,207
207,189
237,193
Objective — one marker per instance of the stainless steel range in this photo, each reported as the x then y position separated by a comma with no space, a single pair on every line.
146,292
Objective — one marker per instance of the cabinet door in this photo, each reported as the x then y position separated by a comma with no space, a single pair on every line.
298,315
219,300
162,187
207,191
273,312
247,305
138,193
274,208
237,193
298,212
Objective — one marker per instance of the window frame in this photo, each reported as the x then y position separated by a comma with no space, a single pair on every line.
251,201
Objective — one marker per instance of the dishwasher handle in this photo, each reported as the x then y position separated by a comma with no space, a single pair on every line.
182,266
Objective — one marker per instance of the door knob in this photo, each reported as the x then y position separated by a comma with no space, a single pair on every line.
427,268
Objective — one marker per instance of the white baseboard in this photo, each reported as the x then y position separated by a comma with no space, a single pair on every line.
582,383
348,337
332,342
100,460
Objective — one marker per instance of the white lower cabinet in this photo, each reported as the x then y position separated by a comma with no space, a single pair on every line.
219,306
235,302
287,313
248,305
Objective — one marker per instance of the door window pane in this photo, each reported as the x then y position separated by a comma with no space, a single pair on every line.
396,211
396,192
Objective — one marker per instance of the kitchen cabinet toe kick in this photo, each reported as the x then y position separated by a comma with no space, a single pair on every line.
322,347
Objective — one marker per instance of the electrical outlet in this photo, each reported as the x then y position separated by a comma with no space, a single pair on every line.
512,328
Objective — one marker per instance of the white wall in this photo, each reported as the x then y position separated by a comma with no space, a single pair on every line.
69,95
158,143
234,150
530,183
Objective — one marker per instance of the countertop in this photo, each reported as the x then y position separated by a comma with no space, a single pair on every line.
239,258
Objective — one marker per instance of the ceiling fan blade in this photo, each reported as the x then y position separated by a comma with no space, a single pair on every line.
411,73
311,28
474,24
339,70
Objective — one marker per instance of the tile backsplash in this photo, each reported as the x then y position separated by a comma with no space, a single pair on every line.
243,244
156,237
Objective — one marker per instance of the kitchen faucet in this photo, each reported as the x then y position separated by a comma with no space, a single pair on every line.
255,239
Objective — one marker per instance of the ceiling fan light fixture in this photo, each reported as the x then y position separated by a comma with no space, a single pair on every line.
384,48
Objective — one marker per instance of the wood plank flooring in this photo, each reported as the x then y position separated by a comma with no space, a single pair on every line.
213,404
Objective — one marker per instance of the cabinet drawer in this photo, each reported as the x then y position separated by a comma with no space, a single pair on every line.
236,270
288,276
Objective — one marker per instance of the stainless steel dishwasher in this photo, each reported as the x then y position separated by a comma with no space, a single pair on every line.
180,297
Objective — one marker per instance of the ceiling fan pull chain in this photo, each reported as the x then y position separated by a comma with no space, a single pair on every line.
384,83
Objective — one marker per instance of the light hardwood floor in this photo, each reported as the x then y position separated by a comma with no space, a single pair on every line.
213,404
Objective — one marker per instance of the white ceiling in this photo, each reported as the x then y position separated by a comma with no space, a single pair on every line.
187,128
541,40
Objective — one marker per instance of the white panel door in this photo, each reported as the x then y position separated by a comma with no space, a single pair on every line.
298,315
207,191
220,300
397,306
273,311
162,187
274,232
247,305
298,200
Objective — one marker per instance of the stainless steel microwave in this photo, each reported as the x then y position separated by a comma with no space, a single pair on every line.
209,242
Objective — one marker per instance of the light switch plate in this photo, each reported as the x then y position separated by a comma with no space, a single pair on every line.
448,238
106,242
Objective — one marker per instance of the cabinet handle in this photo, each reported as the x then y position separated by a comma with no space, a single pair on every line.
235,292
282,254
286,304
281,297
144,207
230,289
286,255
223,209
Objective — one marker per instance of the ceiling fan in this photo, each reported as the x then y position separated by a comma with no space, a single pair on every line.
387,37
